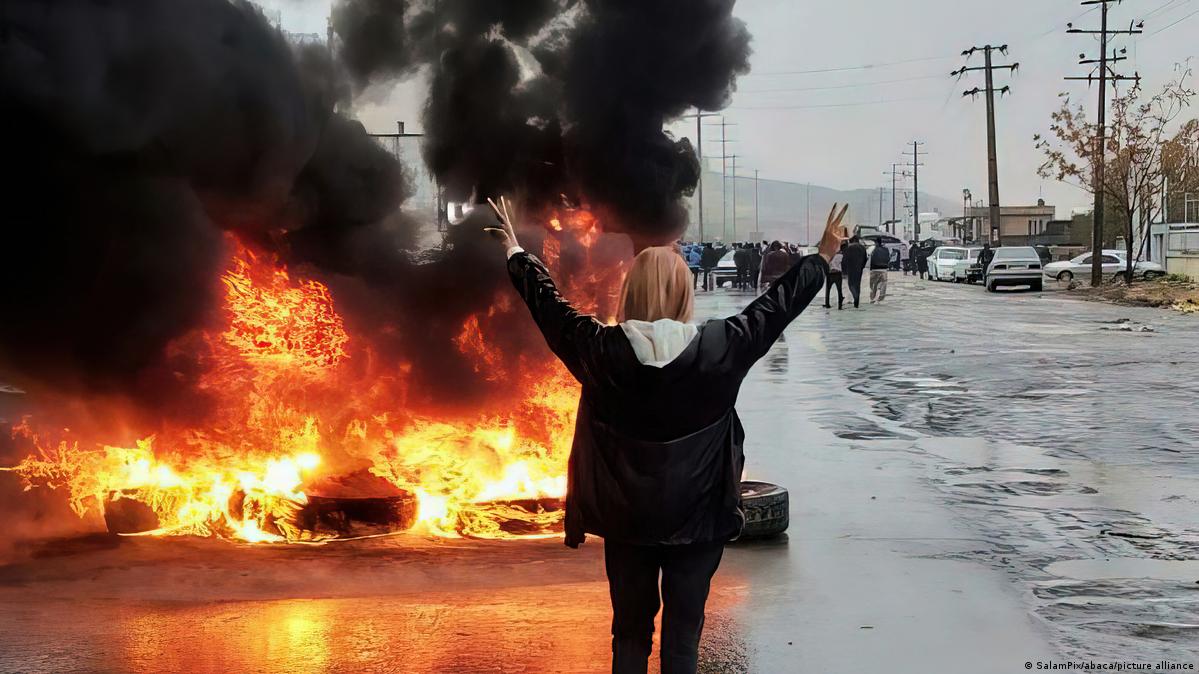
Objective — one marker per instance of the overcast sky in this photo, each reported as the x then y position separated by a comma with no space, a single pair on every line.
887,83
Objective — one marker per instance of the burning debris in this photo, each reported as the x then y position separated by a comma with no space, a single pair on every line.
216,305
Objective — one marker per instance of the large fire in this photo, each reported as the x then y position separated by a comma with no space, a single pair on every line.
298,405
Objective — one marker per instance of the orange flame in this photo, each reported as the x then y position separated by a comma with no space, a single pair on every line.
296,399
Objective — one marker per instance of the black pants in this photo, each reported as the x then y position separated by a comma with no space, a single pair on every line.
686,572
833,279
707,278
742,278
854,281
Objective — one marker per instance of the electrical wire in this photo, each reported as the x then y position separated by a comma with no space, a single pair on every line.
839,86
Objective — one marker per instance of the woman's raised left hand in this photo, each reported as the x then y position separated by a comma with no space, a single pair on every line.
506,232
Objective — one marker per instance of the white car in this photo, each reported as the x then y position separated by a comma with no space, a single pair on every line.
1015,266
942,264
1114,264
961,268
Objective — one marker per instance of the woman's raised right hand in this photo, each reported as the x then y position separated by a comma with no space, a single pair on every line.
505,233
834,233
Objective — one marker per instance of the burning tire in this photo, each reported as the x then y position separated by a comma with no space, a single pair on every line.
767,509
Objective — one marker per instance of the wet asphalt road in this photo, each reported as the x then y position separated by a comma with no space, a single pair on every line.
977,481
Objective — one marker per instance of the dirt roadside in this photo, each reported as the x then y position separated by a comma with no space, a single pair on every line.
1178,295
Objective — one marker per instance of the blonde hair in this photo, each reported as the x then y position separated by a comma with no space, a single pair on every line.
657,286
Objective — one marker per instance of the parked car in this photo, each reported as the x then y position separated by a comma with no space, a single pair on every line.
1114,264
968,270
1015,266
726,270
942,263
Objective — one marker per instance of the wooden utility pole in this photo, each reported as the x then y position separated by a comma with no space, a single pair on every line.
989,91
1105,73
734,158
894,173
757,227
724,176
915,154
699,153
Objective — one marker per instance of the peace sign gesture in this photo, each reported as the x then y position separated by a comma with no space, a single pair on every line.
834,233
505,234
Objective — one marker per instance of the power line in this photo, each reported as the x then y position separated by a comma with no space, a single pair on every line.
834,105
1171,25
838,86
867,66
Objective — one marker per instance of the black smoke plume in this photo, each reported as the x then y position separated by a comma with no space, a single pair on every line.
137,132
558,96
140,132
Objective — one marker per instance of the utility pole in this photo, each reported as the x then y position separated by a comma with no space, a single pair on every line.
1105,73
734,158
989,90
808,218
724,176
894,173
699,153
915,154
757,227
880,208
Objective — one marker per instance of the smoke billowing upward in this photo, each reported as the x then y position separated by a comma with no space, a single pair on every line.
141,132
138,132
558,96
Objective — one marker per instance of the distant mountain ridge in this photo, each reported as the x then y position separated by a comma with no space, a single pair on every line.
785,212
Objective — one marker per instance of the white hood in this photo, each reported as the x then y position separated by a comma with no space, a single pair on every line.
657,344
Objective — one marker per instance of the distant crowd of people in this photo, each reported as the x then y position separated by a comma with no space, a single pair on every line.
757,265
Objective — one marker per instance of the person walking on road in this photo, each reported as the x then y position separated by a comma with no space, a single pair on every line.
880,260
913,259
657,455
694,255
984,259
741,261
853,264
708,260
775,264
834,278
922,262
755,265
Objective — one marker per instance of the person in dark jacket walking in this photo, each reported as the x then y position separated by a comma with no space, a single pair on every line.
775,264
984,259
708,260
852,265
741,261
922,262
755,265
913,259
656,460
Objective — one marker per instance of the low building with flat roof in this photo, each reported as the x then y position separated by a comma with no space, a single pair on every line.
1018,225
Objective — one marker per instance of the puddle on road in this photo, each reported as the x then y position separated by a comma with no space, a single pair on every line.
1070,450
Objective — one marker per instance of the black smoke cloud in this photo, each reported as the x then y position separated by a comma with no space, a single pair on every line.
137,132
558,96
141,131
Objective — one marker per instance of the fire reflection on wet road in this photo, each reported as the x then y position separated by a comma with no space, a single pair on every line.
971,475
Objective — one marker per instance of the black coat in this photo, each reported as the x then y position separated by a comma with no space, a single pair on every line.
657,453
854,260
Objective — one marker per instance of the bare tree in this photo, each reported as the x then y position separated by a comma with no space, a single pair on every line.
1133,153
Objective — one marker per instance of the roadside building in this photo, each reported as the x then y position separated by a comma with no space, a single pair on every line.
1018,225
1176,247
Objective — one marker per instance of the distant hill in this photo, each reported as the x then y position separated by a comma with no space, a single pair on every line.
783,208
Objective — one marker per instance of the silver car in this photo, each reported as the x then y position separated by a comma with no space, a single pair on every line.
1113,264
1014,266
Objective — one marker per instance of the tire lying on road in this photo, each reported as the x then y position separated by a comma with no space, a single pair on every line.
767,509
